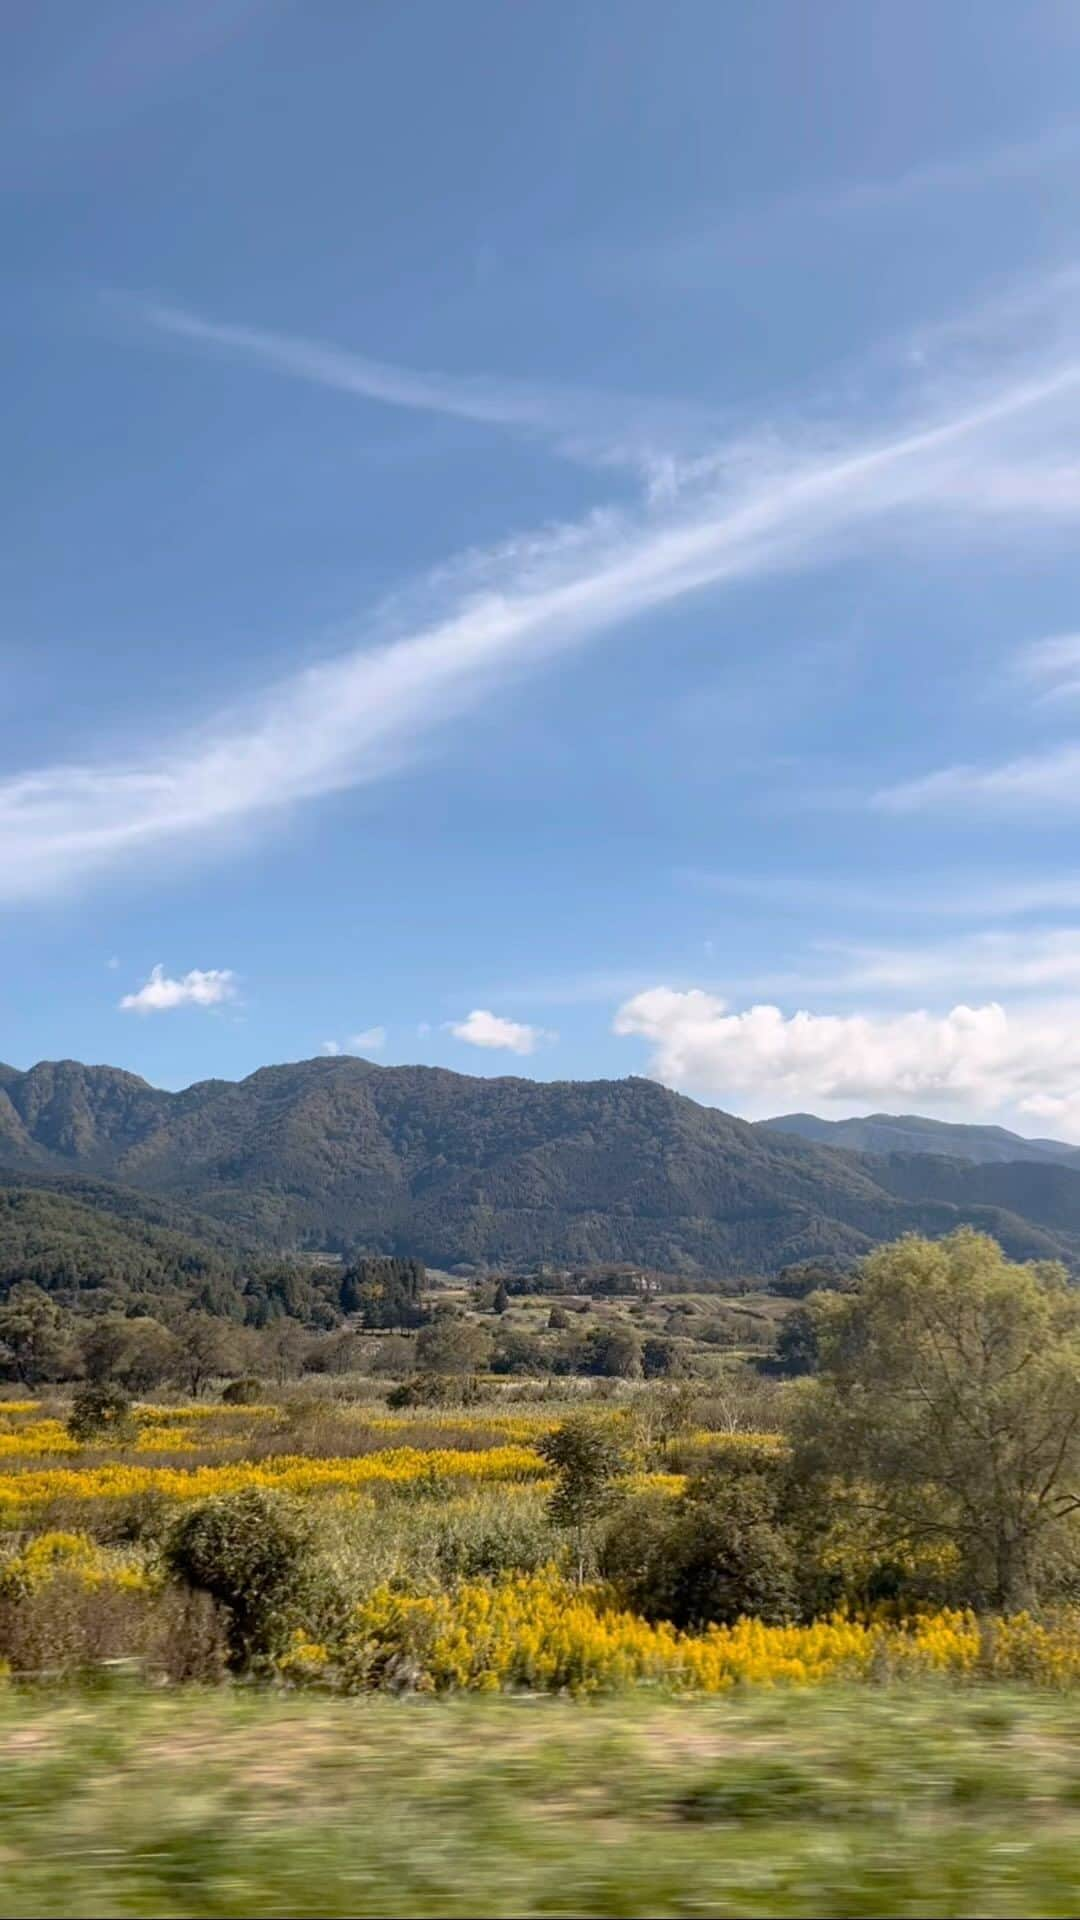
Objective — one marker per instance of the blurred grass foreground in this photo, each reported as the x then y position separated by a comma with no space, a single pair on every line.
898,1800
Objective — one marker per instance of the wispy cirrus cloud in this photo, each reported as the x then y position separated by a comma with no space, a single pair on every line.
199,988
361,714
1052,666
693,256
599,428
1047,782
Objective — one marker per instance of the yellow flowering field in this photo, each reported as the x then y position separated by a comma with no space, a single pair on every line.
293,1473
536,1631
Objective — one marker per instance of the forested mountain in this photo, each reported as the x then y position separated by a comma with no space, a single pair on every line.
341,1154
912,1133
105,1247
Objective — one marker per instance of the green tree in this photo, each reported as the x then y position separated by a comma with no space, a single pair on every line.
613,1352
100,1412
796,1343
947,1405
383,1291
207,1347
34,1336
587,1460
447,1345
719,1552
501,1300
252,1551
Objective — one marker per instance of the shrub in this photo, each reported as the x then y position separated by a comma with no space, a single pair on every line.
100,1412
720,1553
245,1392
587,1460
614,1352
433,1390
252,1552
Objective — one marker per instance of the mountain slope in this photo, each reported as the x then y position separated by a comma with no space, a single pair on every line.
912,1133
340,1154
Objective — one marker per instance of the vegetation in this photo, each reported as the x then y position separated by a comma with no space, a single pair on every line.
947,1406
252,1552
769,1805
889,1491
339,1154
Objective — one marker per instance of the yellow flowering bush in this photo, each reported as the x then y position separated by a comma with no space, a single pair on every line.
51,1554
536,1631
39,1436
293,1473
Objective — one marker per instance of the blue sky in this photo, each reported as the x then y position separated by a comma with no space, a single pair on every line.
543,539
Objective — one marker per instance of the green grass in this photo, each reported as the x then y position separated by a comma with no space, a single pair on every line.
898,1802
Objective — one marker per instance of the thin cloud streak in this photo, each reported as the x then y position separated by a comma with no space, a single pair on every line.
691,258
1035,783
605,429
356,718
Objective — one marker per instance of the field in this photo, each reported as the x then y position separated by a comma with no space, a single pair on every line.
898,1801
465,1715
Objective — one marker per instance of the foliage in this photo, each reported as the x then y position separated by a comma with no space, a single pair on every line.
948,1407
773,1806
384,1292
587,1460
101,1413
536,1631
796,1350
720,1553
32,1335
244,1392
448,1345
432,1390
613,1351
252,1553
416,1162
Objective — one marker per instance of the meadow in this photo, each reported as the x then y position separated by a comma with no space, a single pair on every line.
501,1645
447,1569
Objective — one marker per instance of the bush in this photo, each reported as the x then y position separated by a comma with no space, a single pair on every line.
245,1392
252,1552
719,1553
100,1412
433,1390
587,1460
613,1352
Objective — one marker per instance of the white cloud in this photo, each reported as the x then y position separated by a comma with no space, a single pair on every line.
697,256
484,1029
1053,666
610,429
160,994
371,1040
993,962
358,717
983,1058
1035,783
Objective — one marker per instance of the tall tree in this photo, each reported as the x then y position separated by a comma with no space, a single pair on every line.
948,1404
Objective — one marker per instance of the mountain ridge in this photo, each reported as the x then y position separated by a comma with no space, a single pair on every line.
343,1153
915,1133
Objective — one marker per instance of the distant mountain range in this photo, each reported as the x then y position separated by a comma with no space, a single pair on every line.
910,1133
341,1154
